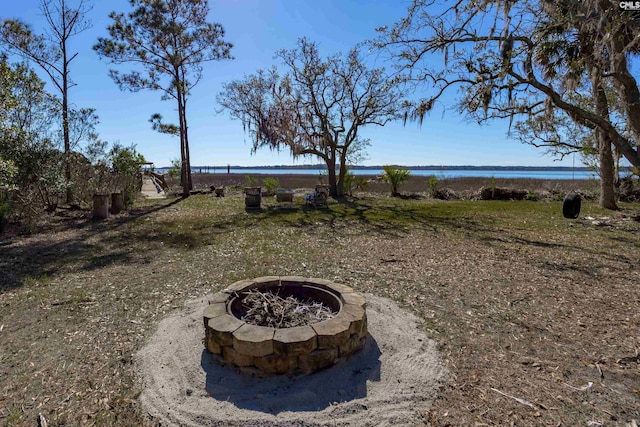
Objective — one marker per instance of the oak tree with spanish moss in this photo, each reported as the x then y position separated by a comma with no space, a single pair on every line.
528,60
317,108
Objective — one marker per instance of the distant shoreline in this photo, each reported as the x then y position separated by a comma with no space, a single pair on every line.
439,173
321,167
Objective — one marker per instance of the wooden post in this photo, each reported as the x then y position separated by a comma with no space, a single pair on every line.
100,206
117,202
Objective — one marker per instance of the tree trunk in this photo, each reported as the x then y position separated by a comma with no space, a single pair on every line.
185,171
65,124
607,171
186,141
100,206
331,171
342,173
117,203
184,179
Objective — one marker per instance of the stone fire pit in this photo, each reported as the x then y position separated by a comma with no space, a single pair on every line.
260,350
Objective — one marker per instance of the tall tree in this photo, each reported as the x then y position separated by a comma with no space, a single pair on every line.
317,108
169,40
492,53
50,50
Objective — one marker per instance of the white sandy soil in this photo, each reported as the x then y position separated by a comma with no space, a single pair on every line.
391,382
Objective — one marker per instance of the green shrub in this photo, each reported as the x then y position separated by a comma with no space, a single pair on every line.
493,187
127,163
176,168
433,183
531,196
5,210
394,177
347,182
8,172
361,183
271,185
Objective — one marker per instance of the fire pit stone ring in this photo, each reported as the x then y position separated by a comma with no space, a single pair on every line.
301,350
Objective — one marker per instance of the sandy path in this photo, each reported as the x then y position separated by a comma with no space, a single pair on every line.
391,382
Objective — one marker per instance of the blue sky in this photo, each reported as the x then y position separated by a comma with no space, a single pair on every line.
257,29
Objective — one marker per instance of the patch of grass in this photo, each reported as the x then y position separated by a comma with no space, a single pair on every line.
201,219
40,281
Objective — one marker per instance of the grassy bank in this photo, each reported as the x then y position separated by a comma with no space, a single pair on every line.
519,299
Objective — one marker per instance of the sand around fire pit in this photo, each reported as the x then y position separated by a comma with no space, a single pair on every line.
391,382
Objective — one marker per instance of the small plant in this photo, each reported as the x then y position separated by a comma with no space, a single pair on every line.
361,183
176,168
433,183
493,187
394,177
348,180
271,184
348,183
352,182
531,196
251,181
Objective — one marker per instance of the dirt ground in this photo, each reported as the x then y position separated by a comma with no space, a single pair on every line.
535,317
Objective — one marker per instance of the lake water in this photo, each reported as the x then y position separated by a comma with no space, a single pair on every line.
438,173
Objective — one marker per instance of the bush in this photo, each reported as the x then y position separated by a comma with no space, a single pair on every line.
127,163
251,182
352,182
347,184
361,183
394,177
433,183
176,169
8,172
271,185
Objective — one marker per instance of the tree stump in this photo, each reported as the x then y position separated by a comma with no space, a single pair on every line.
117,203
100,206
